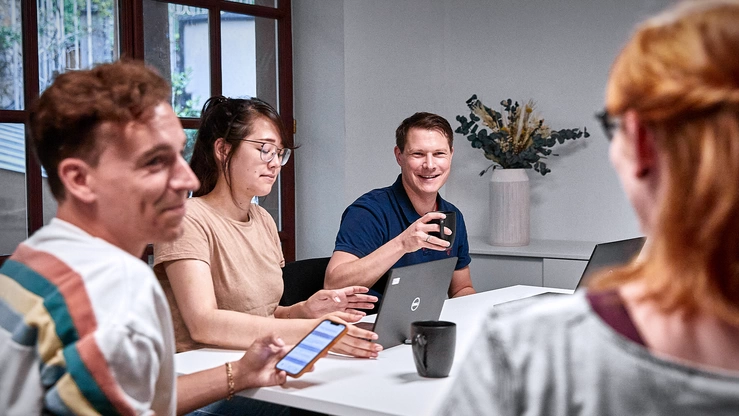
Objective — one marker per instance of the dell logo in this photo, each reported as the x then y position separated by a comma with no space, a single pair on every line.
414,305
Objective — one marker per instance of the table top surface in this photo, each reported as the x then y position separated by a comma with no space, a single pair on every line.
387,385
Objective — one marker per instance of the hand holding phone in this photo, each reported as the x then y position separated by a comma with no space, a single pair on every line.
303,355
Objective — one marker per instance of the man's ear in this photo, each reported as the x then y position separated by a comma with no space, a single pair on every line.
74,174
221,149
398,152
642,144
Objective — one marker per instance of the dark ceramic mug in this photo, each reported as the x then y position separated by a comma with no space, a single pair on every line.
450,222
433,344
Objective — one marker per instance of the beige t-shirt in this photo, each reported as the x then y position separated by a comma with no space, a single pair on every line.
245,260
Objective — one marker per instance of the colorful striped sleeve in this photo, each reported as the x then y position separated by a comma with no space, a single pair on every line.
79,379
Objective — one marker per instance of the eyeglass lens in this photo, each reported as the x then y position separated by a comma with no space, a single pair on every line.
269,151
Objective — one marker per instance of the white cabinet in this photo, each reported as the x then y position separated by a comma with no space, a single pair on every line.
563,274
550,263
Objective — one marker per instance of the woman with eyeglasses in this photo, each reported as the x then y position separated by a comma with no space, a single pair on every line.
223,277
659,336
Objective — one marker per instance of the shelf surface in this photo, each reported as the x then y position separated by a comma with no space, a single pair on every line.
553,249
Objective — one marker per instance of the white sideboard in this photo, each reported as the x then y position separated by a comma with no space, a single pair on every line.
550,263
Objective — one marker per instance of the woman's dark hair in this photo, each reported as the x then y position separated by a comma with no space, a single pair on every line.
232,119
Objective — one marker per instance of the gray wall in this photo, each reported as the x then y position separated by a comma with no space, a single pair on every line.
360,67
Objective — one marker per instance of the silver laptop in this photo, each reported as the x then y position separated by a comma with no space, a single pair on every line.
605,256
413,293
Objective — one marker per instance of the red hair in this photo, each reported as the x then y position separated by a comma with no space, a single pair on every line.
680,74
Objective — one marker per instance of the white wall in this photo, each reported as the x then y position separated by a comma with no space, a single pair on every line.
318,82
361,67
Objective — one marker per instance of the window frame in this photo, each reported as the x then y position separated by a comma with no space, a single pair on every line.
131,32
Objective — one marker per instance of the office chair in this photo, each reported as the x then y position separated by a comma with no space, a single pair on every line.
302,279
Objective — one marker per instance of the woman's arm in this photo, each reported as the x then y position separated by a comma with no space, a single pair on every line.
347,299
196,301
193,290
255,369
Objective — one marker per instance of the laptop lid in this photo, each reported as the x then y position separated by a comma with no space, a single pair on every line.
604,255
611,255
413,293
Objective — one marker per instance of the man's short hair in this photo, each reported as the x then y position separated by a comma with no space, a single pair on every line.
65,119
425,121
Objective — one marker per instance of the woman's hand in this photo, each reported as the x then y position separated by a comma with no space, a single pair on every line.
257,367
348,300
356,342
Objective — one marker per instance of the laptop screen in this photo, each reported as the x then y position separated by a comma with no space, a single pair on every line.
611,255
413,293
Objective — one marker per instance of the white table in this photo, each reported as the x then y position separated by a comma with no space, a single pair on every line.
388,385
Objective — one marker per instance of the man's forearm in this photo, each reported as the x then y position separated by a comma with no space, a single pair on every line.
346,269
468,290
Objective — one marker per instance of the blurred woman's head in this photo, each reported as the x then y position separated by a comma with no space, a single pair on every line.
675,88
227,126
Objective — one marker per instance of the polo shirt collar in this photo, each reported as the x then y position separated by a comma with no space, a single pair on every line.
405,203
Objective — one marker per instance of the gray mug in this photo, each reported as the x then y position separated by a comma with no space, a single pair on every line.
433,344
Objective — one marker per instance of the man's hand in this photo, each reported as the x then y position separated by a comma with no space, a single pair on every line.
347,299
417,235
257,367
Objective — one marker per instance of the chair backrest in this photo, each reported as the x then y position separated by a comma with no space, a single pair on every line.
302,279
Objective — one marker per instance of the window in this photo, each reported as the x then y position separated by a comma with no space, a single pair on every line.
184,39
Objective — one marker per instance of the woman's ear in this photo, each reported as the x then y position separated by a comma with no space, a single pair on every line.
641,140
221,149
75,176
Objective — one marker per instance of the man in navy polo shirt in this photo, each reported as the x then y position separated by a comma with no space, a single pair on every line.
389,227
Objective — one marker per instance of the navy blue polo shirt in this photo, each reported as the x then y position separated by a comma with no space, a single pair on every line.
382,214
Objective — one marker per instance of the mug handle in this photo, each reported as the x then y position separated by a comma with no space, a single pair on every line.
420,339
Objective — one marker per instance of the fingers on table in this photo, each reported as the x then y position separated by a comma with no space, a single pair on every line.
358,347
361,305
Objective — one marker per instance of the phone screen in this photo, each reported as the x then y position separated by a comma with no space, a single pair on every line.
310,347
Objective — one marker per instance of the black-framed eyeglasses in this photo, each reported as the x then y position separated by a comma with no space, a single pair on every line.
268,152
609,123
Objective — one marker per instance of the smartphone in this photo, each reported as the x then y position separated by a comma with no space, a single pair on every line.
307,351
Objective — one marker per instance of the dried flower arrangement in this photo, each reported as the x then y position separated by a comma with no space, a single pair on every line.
518,140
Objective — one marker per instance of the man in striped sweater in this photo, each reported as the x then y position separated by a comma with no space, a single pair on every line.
84,326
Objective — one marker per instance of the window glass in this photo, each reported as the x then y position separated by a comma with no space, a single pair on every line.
268,3
250,66
48,200
12,176
176,43
190,133
11,56
250,70
75,34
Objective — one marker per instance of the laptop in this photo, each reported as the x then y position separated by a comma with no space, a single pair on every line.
413,293
610,255
605,256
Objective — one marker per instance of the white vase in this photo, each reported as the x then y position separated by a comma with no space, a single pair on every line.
509,208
